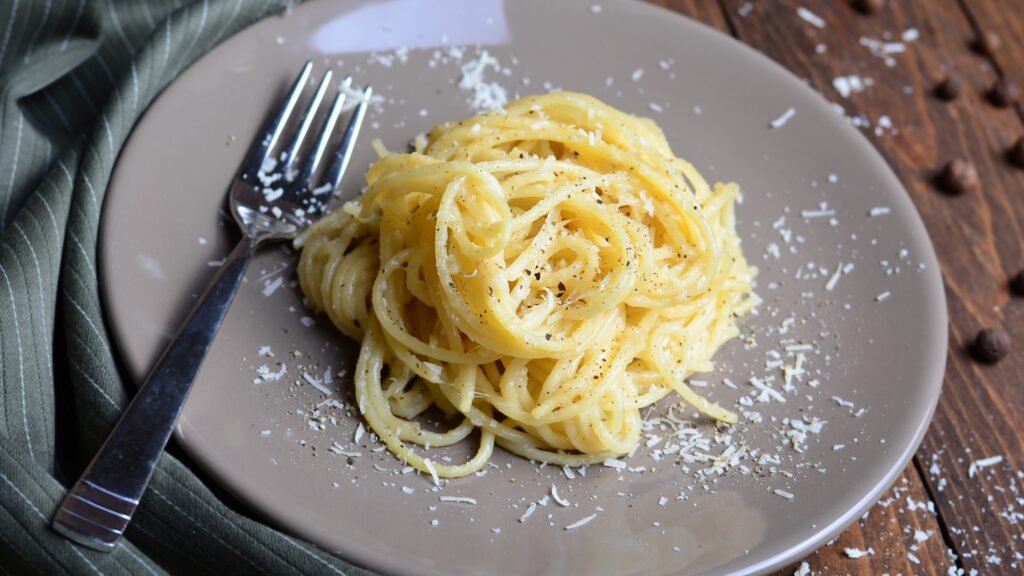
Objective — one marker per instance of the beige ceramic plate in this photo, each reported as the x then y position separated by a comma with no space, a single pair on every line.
854,309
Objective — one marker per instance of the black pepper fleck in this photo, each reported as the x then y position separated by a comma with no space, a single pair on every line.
990,345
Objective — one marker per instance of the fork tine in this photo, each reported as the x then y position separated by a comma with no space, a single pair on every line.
307,121
344,153
325,132
272,131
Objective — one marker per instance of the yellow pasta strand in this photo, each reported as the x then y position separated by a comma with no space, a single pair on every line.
541,273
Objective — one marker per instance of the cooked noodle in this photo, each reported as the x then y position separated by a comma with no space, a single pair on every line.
543,272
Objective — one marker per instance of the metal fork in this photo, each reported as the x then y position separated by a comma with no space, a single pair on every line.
271,198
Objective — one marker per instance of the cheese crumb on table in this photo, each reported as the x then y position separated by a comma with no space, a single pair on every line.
810,17
858,553
977,465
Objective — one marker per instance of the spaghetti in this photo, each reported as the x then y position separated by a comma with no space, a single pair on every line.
542,272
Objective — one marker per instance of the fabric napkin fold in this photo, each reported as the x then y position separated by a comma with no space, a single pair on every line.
75,75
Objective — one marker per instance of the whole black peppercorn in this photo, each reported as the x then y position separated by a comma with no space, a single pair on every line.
1017,283
1016,153
1004,93
959,176
950,88
988,43
868,6
990,346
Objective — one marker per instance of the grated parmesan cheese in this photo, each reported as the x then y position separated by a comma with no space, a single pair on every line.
851,84
554,495
266,375
977,465
580,522
810,17
272,286
485,95
529,512
316,383
858,553
831,284
458,500
843,403
613,463
783,119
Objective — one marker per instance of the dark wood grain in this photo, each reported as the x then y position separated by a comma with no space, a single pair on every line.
979,238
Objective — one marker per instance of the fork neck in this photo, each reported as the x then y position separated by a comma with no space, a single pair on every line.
254,236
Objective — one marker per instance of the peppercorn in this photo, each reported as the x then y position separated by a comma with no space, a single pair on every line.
1004,93
950,88
959,176
1017,283
1016,153
869,6
988,43
990,345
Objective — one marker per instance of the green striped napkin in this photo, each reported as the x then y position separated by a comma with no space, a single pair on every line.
75,75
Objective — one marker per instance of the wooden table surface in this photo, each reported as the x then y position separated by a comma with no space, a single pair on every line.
939,518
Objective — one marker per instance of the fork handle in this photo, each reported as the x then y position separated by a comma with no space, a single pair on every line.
99,507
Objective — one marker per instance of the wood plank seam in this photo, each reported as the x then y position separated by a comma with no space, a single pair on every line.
733,30
947,535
